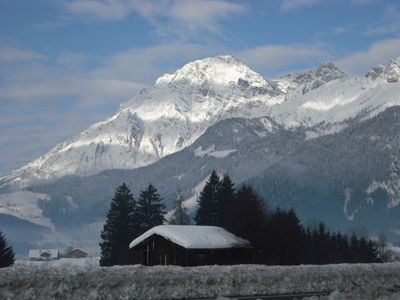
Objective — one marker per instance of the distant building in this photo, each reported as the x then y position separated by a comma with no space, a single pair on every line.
43,254
189,245
76,253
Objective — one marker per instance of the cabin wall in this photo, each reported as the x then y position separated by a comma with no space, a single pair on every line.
158,251
77,254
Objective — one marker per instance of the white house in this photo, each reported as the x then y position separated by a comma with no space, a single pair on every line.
43,254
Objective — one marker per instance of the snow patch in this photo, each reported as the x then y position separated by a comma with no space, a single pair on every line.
327,105
23,205
211,152
390,186
347,199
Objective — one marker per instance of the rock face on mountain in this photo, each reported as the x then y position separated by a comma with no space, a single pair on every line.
217,113
391,73
303,82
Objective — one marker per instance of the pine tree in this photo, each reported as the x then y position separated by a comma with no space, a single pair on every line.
6,253
151,210
384,254
120,229
225,197
207,213
180,216
246,217
286,237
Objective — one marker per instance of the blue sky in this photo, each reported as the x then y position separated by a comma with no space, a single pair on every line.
66,64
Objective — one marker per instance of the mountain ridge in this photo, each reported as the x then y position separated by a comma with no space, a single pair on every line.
177,110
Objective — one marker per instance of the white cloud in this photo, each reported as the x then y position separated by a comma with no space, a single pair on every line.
269,58
389,24
115,79
188,10
364,2
13,55
203,11
182,19
379,53
105,10
72,60
52,25
288,5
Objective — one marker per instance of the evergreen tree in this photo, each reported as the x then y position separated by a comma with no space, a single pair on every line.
180,216
286,238
366,252
354,243
384,254
151,210
6,253
120,229
340,248
225,197
207,213
246,217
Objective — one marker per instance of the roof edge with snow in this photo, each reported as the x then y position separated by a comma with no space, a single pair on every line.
194,237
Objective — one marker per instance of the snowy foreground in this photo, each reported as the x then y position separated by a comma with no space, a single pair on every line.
362,281
62,262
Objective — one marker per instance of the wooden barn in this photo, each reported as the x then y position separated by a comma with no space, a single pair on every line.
76,253
189,245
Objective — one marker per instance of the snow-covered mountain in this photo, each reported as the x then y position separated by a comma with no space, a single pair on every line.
323,103
157,122
177,110
212,113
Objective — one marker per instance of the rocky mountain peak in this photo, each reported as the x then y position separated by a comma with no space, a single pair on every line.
305,81
375,72
216,72
327,71
392,71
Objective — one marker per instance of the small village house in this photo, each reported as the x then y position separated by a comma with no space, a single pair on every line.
43,254
76,253
189,245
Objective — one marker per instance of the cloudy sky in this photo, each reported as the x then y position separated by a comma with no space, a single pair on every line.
66,64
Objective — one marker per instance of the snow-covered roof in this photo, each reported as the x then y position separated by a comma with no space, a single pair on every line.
43,253
194,237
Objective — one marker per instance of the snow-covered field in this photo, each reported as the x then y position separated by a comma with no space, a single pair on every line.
362,281
62,262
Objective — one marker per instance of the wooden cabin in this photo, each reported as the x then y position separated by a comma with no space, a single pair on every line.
76,253
189,245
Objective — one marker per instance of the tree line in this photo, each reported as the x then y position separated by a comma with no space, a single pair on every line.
277,236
